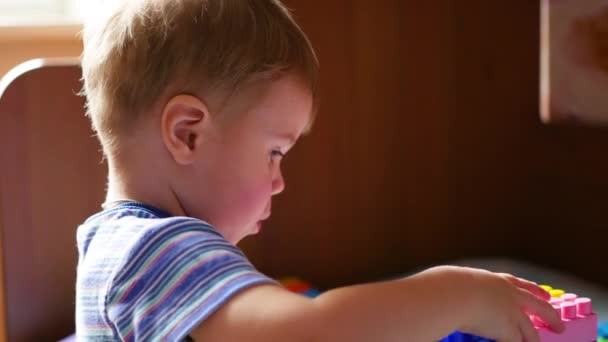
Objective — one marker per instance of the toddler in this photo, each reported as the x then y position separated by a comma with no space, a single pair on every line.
196,103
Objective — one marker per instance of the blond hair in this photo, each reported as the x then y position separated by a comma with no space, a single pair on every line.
139,48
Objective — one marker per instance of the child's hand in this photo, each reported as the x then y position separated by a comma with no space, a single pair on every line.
499,304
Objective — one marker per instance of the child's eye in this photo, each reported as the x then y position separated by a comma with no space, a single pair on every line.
277,153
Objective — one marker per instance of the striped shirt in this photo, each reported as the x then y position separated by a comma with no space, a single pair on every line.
146,276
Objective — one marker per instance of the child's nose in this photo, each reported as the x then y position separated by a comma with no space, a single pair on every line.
278,183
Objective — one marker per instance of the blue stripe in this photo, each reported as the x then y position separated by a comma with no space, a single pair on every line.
184,327
168,232
172,265
187,249
115,246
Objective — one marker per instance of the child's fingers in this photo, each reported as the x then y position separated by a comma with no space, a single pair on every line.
528,285
541,309
510,333
527,330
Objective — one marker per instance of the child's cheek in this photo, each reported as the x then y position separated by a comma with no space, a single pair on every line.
254,201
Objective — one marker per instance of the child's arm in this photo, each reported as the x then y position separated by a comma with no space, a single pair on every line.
424,307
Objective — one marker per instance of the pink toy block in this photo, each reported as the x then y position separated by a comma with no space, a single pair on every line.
577,314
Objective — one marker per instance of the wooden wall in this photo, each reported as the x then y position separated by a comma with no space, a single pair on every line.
429,147
52,179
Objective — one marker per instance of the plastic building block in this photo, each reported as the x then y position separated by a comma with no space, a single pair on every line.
298,286
576,313
460,337
312,293
578,316
602,331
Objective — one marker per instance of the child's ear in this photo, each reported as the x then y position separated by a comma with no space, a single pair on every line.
183,122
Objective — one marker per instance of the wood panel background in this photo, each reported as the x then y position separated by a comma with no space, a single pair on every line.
51,180
429,147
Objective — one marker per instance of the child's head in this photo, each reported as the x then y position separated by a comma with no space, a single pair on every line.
203,92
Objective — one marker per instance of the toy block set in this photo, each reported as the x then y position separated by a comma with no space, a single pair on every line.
576,313
299,286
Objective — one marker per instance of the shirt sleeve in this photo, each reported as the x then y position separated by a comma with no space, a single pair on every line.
173,280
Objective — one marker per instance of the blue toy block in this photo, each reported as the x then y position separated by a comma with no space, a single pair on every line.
602,330
461,337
